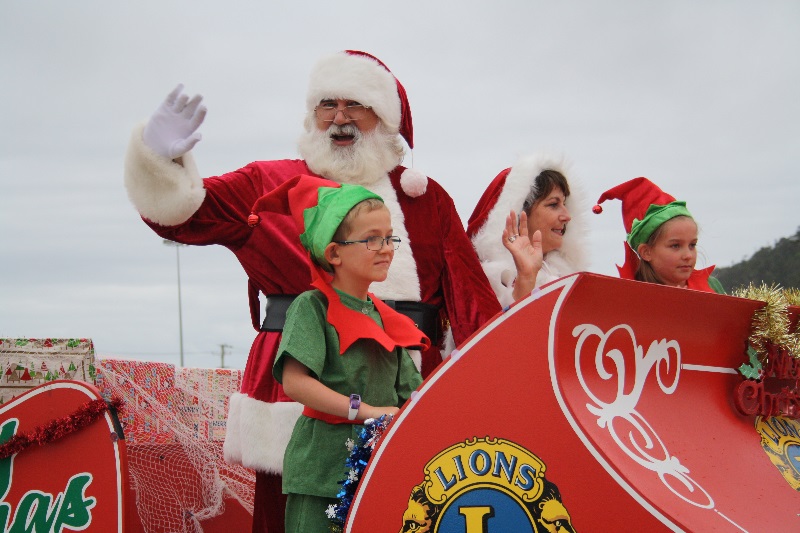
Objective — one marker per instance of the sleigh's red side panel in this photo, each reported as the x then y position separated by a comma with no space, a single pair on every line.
596,404
77,482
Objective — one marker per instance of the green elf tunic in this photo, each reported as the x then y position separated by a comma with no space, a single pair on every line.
314,462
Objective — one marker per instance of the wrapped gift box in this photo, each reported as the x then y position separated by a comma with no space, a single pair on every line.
27,363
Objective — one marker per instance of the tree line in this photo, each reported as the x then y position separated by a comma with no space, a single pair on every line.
777,264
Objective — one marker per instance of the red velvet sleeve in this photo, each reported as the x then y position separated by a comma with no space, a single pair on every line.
222,218
271,253
450,274
469,299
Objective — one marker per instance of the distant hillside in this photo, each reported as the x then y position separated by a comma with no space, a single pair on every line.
772,264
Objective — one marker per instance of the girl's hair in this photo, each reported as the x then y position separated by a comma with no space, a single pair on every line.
645,272
542,186
369,205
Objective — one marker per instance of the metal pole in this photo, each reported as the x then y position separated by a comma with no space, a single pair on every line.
222,354
180,304
177,246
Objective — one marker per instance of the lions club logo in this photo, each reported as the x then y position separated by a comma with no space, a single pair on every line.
780,438
486,486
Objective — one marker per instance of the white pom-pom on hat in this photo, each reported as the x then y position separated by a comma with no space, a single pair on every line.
413,182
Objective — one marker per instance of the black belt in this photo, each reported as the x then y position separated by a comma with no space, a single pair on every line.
425,316
275,316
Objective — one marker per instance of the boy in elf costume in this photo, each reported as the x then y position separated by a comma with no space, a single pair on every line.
343,354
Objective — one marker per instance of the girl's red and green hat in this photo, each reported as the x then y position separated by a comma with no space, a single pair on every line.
644,208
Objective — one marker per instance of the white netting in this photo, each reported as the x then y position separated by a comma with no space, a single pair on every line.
174,426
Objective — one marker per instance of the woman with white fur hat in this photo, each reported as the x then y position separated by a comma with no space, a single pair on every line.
546,241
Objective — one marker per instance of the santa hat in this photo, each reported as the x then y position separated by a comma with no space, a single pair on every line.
644,208
362,77
317,207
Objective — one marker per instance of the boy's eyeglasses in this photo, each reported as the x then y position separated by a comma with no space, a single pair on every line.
326,111
376,243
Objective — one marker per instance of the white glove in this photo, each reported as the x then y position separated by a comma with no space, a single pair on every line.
172,130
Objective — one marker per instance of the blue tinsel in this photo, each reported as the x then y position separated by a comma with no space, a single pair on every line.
360,452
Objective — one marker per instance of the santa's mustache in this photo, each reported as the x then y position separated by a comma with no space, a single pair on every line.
344,130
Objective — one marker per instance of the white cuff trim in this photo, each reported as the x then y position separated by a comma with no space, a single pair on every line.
258,432
162,190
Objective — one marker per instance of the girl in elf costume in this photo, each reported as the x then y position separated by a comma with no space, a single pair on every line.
662,238
343,354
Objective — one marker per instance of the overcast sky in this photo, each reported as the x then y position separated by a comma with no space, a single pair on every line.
699,96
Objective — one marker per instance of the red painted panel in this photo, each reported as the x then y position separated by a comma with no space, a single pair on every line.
74,483
617,395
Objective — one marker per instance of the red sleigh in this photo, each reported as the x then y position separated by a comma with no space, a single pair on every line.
595,404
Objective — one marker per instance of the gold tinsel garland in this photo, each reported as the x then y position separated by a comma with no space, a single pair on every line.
793,296
771,323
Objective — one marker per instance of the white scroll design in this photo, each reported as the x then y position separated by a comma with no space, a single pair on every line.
630,431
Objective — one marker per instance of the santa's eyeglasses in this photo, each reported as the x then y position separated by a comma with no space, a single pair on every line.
328,109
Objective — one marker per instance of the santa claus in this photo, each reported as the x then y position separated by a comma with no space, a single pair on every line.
357,111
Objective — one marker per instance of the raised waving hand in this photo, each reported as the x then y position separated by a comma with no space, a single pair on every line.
526,251
172,129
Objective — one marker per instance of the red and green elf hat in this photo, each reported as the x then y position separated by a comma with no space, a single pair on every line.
644,208
317,206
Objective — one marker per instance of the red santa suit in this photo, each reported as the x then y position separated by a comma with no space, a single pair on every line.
508,191
435,264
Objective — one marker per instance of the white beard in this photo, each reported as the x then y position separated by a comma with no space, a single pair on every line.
371,156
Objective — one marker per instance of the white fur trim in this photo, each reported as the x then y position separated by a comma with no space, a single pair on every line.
161,190
449,343
402,283
232,447
573,255
257,432
359,78
416,356
413,182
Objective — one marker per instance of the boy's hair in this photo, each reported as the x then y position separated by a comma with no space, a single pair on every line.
645,272
543,184
368,206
